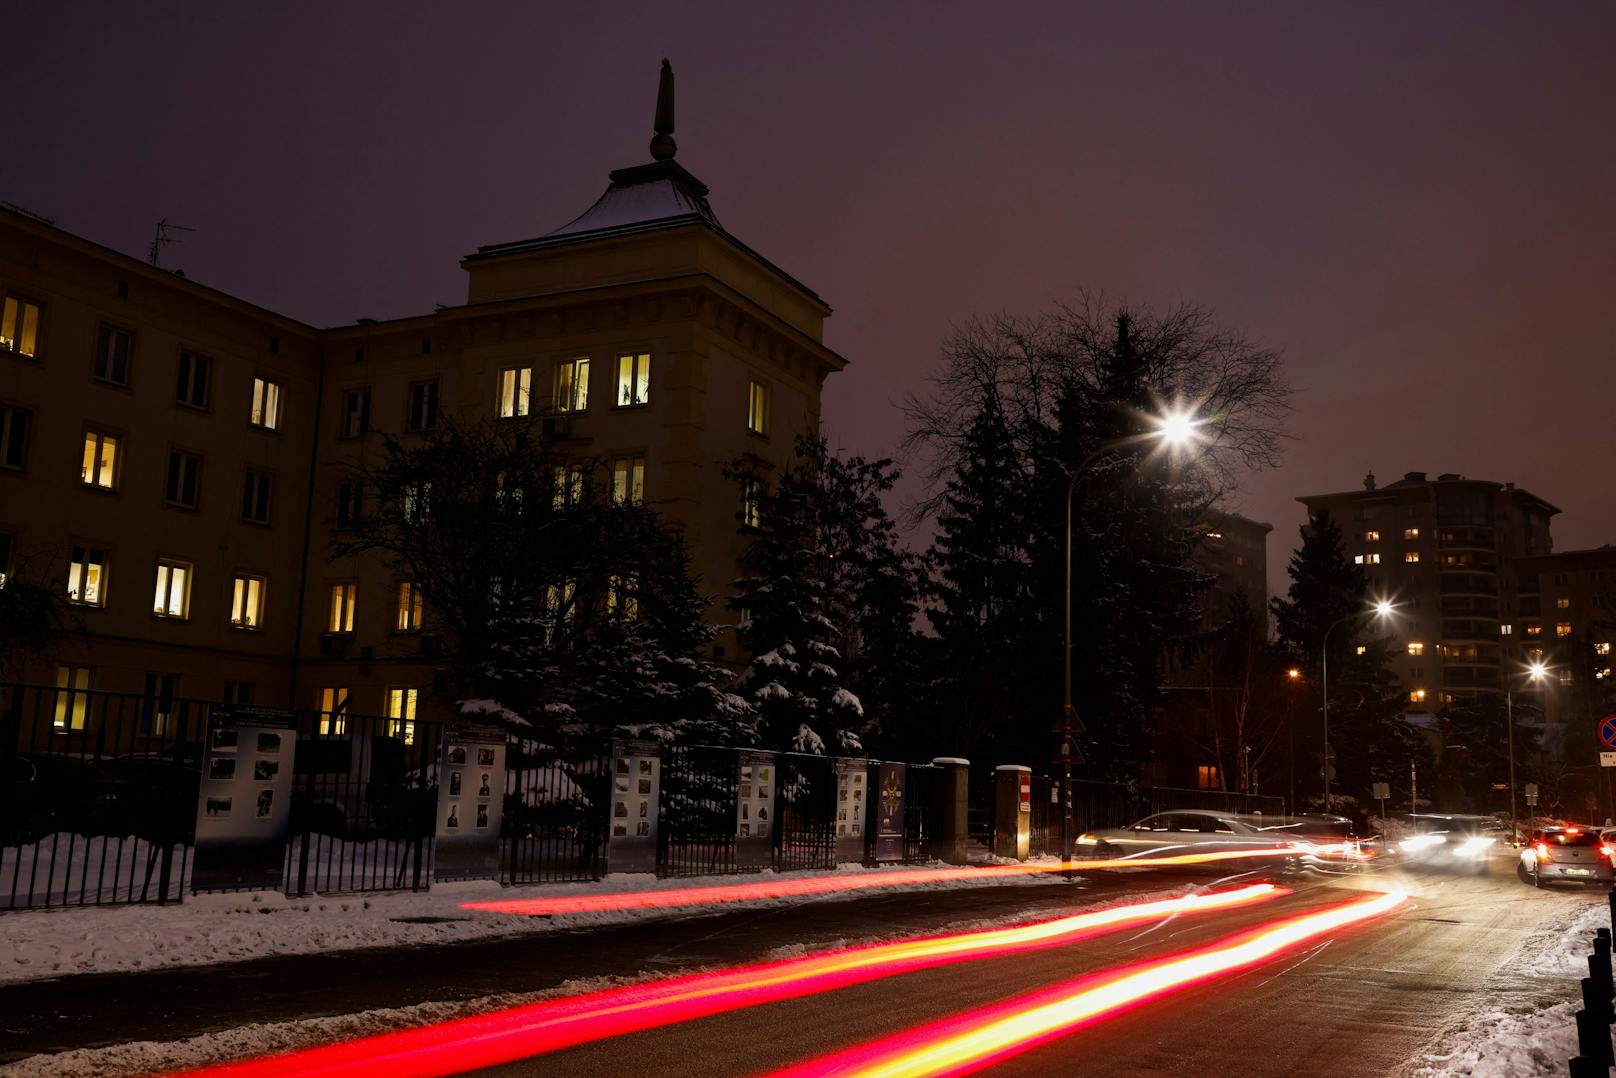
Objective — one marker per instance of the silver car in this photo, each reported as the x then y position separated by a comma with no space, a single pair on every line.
1565,853
1182,831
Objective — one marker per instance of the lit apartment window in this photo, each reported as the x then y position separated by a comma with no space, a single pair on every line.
173,590
1601,648
1562,628
1566,676
1362,648
247,602
184,479
1411,556
1562,603
343,597
423,414
157,703
1411,533
401,714
87,577
1371,559
1206,777
572,385
13,437
622,598
628,481
192,390
568,485
19,326
100,465
356,413
350,502
1506,629
1534,654
408,618
72,697
1534,630
757,408
1416,696
633,379
113,348
751,501
1371,537
266,404
515,392
1415,648
255,491
333,711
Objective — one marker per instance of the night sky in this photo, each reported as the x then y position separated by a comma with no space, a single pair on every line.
1414,201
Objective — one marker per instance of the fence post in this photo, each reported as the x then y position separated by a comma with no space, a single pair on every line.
1012,811
953,817
1583,1067
1593,1038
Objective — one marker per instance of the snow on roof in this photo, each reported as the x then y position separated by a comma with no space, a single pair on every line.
637,197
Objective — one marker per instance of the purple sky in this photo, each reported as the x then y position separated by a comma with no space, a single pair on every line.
1415,202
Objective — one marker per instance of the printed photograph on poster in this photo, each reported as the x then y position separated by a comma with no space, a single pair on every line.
763,813
746,773
454,784
619,830
266,803
270,743
485,757
218,806
746,811
746,830
224,739
482,815
620,785
222,767
645,807
485,790
763,793
645,786
746,791
620,765
763,774
645,767
457,754
265,770
620,810
643,830
453,822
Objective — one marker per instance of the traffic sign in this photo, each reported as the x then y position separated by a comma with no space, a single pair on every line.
1607,759
1607,731
1381,791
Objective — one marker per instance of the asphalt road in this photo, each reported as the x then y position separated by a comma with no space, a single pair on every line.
1361,1002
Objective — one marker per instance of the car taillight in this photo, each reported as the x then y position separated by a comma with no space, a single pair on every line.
1606,852
1542,851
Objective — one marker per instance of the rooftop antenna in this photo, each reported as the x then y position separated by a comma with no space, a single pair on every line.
163,239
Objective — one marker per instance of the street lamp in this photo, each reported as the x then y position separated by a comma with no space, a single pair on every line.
1381,609
1292,675
1174,430
1535,672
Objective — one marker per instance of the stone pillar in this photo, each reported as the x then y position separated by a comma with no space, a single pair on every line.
953,824
1012,811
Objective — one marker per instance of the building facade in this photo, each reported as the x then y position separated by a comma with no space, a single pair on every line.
181,459
1568,624
1446,552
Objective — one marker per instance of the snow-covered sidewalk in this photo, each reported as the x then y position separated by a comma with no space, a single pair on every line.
223,928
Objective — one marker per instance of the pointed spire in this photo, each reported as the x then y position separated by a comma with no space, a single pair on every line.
662,145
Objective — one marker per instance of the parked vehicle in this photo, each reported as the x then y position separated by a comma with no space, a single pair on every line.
45,793
1566,853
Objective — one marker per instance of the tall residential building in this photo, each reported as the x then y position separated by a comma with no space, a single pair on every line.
211,435
1445,551
1568,623
1235,548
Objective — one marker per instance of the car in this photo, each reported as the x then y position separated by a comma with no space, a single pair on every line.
1566,853
1332,841
1181,831
1451,842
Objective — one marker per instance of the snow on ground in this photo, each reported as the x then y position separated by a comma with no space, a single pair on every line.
205,929
73,868
1528,1028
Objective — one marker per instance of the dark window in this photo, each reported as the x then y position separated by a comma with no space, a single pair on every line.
112,350
255,498
184,478
423,406
6,540
356,413
350,502
193,380
238,692
157,709
13,437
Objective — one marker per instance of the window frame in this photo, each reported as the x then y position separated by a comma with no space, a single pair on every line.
430,403
362,394
170,496
334,710
76,696
266,409
110,329
185,370
631,491
343,597
576,401
350,497
9,438
163,608
759,407
401,721
83,567
101,436
242,597
639,378
257,488
513,392
408,607
23,302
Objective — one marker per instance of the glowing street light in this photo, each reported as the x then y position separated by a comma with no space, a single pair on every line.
1535,672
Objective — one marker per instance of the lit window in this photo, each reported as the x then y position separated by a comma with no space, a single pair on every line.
342,608
356,413
13,437
266,404
19,327
72,697
423,415
1534,630
247,602
1506,629
1411,533
87,577
751,501
334,710
112,350
409,607
1566,676
515,392
1371,559
184,485
1602,648
255,491
192,390
1371,537
568,485
1535,654
1206,777
1562,603
572,385
1411,556
622,598
1416,649
401,714
1362,648
757,408
1417,696
350,502
633,379
173,590
100,465
1562,628
628,481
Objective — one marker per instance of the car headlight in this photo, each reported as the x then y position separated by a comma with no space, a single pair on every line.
1421,842
1473,847
1087,840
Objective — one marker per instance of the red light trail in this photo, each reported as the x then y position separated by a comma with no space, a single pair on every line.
825,885
976,1039
519,1032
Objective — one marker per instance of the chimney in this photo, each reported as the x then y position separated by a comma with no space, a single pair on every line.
1369,481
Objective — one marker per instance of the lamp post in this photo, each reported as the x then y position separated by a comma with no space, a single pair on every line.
1535,672
1292,676
1173,430
1381,609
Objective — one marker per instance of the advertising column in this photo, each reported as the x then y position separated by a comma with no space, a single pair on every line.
636,774
471,804
889,811
244,799
851,804
754,810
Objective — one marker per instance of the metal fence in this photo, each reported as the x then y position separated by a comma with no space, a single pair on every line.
696,831
922,811
554,827
806,821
